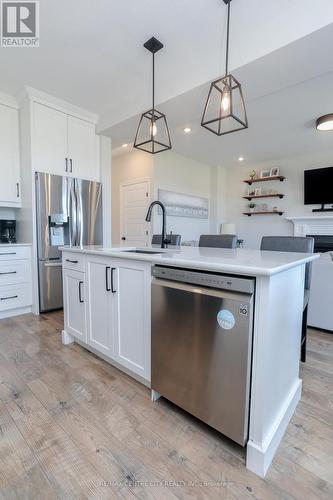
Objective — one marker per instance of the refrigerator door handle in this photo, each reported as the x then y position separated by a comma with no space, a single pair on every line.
72,215
79,212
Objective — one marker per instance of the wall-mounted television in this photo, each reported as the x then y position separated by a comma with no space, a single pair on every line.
318,188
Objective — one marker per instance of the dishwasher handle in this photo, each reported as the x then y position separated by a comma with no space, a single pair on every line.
211,292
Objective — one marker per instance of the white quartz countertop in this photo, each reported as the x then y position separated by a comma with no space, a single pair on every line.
240,261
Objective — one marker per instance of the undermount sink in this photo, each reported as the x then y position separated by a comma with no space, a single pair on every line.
143,251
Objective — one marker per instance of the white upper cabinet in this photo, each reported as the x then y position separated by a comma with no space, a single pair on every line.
50,140
10,195
82,149
64,144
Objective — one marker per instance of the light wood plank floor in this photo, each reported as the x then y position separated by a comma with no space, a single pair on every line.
72,426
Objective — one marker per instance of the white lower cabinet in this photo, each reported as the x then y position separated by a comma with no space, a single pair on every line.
108,308
75,304
132,316
100,305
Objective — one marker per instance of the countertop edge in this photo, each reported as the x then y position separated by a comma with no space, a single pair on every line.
228,268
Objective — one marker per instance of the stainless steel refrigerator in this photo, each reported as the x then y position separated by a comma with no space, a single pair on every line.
69,212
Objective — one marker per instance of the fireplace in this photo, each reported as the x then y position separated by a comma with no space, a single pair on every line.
322,243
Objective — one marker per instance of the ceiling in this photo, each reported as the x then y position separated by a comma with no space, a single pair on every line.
285,92
91,52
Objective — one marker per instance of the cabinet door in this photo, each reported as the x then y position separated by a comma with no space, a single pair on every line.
50,140
100,327
82,148
132,317
75,304
9,157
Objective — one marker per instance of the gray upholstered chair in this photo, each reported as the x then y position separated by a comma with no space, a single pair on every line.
175,239
301,245
218,240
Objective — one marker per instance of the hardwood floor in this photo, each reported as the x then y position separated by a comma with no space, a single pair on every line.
72,426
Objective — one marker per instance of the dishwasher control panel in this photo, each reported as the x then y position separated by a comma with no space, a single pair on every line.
204,278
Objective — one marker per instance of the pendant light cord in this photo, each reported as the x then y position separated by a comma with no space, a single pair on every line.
227,46
153,86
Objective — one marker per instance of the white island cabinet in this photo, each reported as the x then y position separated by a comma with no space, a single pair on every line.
116,305
107,308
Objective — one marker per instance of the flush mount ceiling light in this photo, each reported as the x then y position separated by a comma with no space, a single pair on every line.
225,110
325,122
124,145
241,158
187,130
153,134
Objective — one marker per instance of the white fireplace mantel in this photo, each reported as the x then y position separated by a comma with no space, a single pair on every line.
315,224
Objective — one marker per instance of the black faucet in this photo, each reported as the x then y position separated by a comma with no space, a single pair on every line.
164,241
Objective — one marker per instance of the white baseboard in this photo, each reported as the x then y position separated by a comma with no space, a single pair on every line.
259,457
15,312
66,338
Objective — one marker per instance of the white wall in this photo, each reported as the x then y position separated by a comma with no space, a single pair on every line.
251,229
175,172
125,167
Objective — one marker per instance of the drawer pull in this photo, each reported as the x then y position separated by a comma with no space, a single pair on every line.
80,292
72,261
8,253
7,298
10,272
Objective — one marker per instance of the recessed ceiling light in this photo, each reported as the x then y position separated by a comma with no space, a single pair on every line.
187,130
325,122
124,145
241,158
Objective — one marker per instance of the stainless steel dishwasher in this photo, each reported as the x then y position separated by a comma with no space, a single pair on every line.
202,345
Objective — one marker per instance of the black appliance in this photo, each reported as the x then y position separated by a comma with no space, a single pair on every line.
318,188
7,231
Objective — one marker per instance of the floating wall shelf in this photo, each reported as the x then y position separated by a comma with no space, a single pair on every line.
280,178
277,195
263,213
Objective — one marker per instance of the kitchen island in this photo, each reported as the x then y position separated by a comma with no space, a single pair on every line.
107,306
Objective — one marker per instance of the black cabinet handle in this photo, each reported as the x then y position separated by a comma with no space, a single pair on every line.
80,292
112,283
8,253
10,272
17,190
71,165
7,298
107,288
72,261
66,164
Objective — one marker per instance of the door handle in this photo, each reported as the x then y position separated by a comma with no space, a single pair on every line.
107,288
72,261
80,292
66,164
9,272
17,190
112,283
71,165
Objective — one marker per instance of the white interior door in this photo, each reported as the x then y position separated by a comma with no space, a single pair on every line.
134,202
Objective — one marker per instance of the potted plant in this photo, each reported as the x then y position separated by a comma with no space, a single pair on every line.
252,206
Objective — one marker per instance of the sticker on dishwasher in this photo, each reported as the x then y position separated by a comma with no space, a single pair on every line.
226,319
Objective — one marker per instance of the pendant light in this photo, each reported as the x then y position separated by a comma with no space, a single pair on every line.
153,134
225,109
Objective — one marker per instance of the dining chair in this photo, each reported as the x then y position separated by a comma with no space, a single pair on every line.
301,245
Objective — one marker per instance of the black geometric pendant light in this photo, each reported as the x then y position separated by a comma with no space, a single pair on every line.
225,109
153,134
